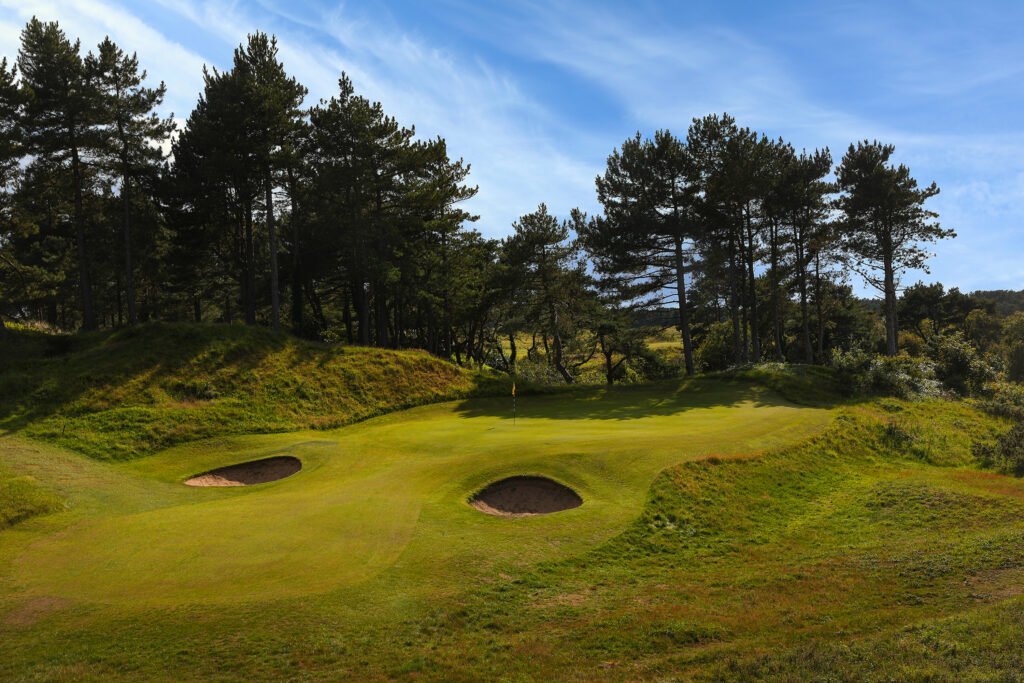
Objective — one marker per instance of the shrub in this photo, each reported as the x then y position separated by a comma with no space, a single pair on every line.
715,351
912,344
1006,454
959,366
1015,363
192,390
901,376
651,365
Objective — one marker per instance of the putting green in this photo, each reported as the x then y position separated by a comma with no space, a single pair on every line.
389,493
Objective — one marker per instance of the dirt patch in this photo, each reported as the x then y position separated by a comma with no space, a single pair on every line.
249,473
524,497
32,611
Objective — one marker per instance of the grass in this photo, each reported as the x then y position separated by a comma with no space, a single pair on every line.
119,395
728,533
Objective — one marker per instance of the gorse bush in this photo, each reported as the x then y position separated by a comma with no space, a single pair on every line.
959,366
900,376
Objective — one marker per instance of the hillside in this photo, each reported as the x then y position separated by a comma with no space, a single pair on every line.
726,534
117,395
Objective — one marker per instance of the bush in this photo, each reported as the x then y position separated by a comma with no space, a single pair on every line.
192,390
651,365
1015,363
1006,454
715,351
912,344
959,366
900,376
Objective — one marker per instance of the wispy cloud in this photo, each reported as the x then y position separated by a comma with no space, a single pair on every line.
535,95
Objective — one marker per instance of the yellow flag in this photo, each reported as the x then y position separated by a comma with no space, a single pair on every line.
513,388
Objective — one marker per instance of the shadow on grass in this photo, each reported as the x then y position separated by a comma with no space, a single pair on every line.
43,383
631,402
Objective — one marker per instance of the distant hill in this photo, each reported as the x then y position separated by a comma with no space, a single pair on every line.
121,394
1007,300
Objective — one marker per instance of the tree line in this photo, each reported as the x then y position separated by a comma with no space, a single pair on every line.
337,222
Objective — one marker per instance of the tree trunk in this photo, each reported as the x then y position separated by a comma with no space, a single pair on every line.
362,312
126,227
684,314
755,334
556,346
88,316
346,314
776,306
890,307
805,325
250,269
380,317
734,311
297,246
512,352
818,306
275,296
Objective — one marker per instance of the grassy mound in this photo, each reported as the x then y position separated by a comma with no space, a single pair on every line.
118,395
21,497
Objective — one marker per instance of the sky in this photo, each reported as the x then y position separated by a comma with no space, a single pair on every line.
535,96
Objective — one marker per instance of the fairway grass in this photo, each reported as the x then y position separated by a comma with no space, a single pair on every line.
724,531
366,491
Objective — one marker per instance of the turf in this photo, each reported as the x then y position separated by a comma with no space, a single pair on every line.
726,533
118,395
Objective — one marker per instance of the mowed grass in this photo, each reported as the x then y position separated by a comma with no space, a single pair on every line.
366,491
726,533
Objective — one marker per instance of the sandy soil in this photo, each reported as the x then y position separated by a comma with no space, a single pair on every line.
249,473
525,496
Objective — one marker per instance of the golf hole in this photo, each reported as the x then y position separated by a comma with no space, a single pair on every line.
249,473
525,496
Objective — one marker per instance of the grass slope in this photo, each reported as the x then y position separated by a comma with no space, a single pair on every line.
727,533
119,395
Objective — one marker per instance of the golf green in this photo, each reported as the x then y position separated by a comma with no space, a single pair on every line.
389,492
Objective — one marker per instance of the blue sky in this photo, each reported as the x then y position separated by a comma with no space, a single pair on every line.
535,95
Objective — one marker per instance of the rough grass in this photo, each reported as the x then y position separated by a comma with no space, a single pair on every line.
118,395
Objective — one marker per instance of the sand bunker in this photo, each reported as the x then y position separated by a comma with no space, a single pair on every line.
525,496
249,473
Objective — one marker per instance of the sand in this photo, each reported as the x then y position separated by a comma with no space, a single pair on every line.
249,473
525,496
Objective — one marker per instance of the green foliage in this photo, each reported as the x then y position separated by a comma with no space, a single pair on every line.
959,366
902,376
1006,454
651,366
982,328
715,351
1015,362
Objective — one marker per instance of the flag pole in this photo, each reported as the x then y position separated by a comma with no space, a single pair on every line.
513,403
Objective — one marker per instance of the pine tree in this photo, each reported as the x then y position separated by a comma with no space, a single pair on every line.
60,120
134,131
884,222
272,100
645,238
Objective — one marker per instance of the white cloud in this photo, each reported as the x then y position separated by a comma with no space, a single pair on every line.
524,150
91,21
